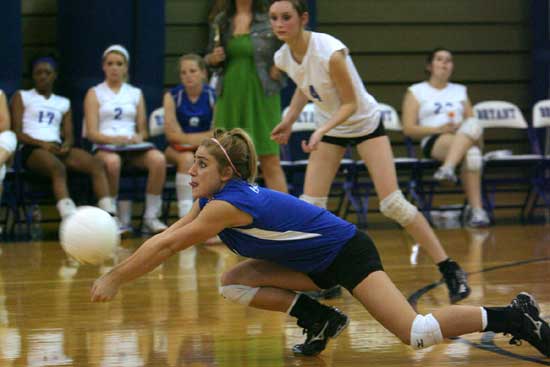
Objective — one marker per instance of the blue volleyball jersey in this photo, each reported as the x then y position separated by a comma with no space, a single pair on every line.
194,117
285,230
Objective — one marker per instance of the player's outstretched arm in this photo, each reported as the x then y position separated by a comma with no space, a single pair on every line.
215,216
186,219
281,133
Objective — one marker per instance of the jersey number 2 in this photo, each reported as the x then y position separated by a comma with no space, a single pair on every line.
118,113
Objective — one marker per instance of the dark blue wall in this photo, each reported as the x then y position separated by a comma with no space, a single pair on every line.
541,50
86,28
11,46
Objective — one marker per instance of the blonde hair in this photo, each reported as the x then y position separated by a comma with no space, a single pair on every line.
239,148
125,77
200,63
193,57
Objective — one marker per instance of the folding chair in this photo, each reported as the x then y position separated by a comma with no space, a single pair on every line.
156,129
540,188
502,171
34,191
14,213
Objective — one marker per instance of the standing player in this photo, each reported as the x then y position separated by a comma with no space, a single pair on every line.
295,246
188,112
324,73
115,122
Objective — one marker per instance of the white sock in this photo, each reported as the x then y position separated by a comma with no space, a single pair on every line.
66,207
153,205
124,210
107,203
183,189
184,207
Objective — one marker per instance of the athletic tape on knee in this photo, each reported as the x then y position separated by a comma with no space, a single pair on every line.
239,293
8,141
425,332
317,201
396,207
474,159
471,127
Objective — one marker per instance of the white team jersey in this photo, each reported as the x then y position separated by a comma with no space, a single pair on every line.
43,116
117,111
313,78
439,106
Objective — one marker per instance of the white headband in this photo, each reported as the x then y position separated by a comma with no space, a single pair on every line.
117,48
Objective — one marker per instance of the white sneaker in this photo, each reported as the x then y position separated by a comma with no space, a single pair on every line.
184,207
479,218
445,174
153,226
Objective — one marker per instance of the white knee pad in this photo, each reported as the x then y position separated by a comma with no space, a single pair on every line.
2,173
238,293
317,201
425,332
8,141
474,159
396,207
471,127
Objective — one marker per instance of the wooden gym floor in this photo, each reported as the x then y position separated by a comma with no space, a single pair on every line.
175,317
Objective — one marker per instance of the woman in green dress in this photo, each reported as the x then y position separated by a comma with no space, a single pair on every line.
241,49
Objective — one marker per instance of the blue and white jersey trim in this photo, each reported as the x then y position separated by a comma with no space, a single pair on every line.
276,236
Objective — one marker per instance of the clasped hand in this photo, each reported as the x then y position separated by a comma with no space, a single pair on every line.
104,289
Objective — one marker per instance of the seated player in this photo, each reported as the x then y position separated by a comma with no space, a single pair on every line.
43,123
115,122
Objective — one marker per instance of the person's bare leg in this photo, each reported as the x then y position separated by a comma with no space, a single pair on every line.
277,284
378,157
461,143
471,180
273,173
155,163
81,161
48,165
321,169
389,307
113,164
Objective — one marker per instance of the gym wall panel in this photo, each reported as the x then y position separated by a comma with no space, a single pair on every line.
422,11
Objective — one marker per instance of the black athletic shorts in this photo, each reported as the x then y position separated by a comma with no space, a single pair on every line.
357,259
427,149
344,142
26,152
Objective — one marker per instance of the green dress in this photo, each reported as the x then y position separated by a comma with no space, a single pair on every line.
242,102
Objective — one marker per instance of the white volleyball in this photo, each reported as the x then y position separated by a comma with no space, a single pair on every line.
90,235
